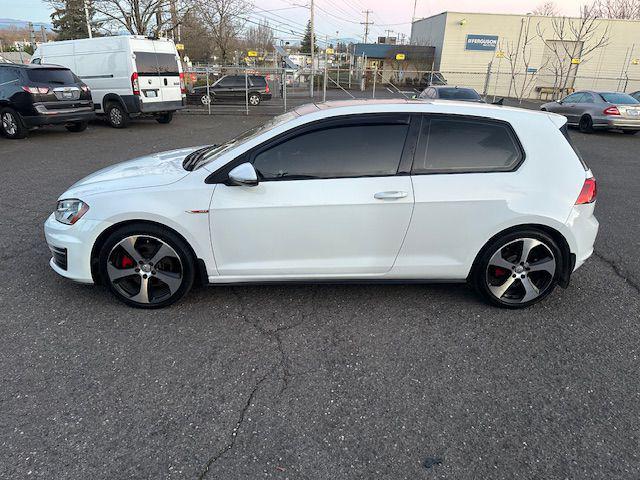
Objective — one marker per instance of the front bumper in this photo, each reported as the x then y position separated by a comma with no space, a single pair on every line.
77,242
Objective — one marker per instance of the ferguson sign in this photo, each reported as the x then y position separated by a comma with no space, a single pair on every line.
487,43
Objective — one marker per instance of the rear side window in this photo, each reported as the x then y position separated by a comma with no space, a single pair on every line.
336,152
258,81
450,145
61,76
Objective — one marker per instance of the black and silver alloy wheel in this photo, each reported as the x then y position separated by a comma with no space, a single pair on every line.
147,268
521,270
254,99
205,99
11,125
518,269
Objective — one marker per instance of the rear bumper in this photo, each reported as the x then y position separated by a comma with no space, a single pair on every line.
618,123
134,105
61,116
265,96
584,227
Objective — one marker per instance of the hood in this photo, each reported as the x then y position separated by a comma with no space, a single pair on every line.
149,171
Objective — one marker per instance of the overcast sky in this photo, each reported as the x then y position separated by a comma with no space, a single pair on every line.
334,15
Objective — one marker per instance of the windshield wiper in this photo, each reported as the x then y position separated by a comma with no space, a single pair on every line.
191,160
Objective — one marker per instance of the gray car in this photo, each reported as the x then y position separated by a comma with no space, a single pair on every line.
444,92
590,110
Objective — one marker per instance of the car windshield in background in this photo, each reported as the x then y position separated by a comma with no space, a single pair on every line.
619,98
62,76
458,94
156,64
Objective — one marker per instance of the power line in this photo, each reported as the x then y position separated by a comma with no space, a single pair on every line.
366,24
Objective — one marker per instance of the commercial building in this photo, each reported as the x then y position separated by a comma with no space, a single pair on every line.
534,55
398,64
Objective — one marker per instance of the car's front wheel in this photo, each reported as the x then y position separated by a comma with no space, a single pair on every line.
518,269
146,266
11,125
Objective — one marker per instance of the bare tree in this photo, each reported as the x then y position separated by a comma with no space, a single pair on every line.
224,20
140,17
622,9
260,37
518,55
571,42
546,9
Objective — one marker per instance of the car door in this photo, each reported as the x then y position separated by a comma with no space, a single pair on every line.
568,107
462,177
222,89
334,200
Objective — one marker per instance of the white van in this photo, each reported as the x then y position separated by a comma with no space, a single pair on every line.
128,75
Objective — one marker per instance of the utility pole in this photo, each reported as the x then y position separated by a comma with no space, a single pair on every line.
313,42
413,17
388,32
32,35
366,24
43,32
86,17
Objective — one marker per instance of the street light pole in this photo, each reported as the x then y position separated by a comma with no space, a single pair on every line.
313,41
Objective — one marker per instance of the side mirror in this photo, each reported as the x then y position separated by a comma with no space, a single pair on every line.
243,175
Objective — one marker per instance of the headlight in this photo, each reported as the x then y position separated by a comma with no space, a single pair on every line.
70,211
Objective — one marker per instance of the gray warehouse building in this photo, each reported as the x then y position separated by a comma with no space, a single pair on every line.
532,56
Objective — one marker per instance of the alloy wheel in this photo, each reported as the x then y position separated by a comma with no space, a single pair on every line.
144,269
254,100
115,116
521,271
9,123
205,99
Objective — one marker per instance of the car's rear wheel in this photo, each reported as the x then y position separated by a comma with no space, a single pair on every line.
205,99
146,266
518,269
254,99
165,117
77,126
116,115
586,124
11,124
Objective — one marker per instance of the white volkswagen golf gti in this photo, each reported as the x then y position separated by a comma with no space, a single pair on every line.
341,191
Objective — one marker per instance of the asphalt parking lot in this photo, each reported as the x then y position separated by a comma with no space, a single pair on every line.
310,382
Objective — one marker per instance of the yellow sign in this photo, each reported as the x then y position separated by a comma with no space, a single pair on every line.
329,51
179,46
252,53
635,61
400,56
500,54
575,61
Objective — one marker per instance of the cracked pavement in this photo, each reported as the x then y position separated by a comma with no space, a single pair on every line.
310,381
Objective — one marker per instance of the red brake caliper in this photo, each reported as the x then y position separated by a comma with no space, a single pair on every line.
126,262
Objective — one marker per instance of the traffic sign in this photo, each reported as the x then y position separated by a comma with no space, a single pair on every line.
329,51
252,53
179,46
400,56
500,54
575,61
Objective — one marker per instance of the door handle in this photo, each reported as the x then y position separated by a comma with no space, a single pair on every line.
393,195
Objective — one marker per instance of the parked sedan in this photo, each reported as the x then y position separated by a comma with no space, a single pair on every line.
341,191
451,93
238,88
591,110
36,95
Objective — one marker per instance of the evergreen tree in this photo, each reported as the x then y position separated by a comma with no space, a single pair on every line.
69,20
305,46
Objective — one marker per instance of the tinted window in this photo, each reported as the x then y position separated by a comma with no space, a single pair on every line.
62,76
345,151
573,98
636,95
458,94
167,64
7,75
231,81
618,98
457,146
257,81
587,98
146,63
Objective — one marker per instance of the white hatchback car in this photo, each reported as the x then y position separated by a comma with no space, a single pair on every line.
341,191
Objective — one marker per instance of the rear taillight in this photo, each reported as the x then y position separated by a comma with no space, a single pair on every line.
588,192
135,84
611,111
35,90
267,88
183,88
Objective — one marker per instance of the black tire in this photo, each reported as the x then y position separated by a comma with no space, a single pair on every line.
165,117
481,277
117,115
11,124
77,126
586,124
254,99
156,232
630,132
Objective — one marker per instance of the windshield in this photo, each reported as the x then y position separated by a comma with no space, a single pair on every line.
202,157
619,98
458,94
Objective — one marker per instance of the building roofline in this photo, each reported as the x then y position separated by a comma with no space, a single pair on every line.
524,15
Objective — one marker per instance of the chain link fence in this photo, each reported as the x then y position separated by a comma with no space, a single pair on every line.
232,90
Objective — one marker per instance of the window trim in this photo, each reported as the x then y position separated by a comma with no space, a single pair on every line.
404,165
422,145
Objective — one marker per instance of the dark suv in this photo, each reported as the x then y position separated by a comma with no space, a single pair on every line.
233,88
35,95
